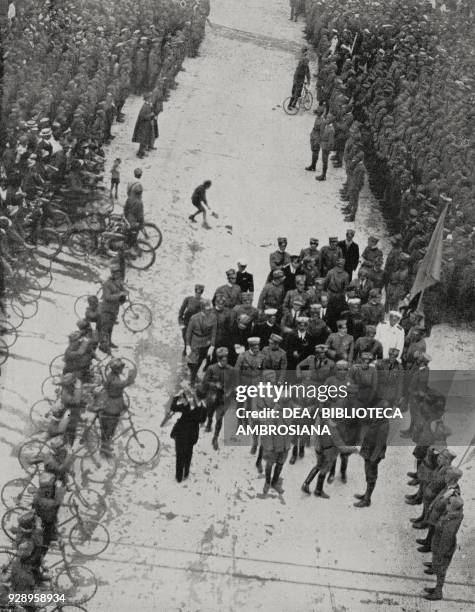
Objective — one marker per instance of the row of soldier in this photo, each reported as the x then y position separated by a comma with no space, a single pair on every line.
382,121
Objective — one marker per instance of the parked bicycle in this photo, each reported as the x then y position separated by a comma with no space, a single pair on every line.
77,583
305,101
136,317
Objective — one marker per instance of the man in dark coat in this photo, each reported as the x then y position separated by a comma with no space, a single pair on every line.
351,252
373,450
144,132
299,344
186,430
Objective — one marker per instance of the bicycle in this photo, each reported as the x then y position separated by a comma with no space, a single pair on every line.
100,222
87,537
142,447
136,317
76,582
85,242
21,491
305,101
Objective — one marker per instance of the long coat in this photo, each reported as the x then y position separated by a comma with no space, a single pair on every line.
144,132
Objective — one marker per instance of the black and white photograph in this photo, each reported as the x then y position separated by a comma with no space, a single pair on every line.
237,305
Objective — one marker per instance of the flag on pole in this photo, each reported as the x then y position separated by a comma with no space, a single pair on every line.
428,273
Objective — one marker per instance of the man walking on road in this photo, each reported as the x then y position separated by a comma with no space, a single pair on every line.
199,201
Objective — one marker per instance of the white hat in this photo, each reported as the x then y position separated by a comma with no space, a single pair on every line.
302,319
354,301
242,262
395,313
254,340
270,312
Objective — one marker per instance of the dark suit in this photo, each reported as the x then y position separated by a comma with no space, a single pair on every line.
264,331
351,254
304,348
289,282
185,432
246,281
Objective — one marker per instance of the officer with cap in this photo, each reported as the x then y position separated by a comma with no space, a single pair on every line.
273,293
390,333
329,255
275,358
113,402
373,311
373,450
268,327
249,365
244,279
231,291
218,383
113,295
191,305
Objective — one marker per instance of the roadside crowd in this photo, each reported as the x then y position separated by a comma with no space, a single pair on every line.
395,89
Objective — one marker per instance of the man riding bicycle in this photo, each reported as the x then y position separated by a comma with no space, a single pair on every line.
301,75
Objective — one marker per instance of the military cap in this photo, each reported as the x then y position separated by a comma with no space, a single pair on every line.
395,239
319,281
270,312
199,287
75,335
425,357
222,351
321,347
393,350
342,363
302,319
315,306
253,340
413,212
244,318
373,239
281,239
278,274
404,256
242,262
230,272
374,293
295,256
333,239
275,338
354,301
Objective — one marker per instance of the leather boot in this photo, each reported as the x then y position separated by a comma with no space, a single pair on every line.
308,481
293,459
275,484
366,499
319,492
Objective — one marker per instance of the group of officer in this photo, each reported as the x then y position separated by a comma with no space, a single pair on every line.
395,93
315,324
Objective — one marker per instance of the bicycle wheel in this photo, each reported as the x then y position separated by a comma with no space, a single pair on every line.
12,317
77,583
56,365
80,306
10,521
58,221
4,352
87,502
6,558
44,280
89,538
137,317
18,492
141,256
49,244
40,413
307,101
142,446
98,469
26,311
8,333
290,110
49,388
27,288
151,234
32,451
82,243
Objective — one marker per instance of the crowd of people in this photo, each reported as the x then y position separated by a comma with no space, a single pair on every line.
68,69
395,89
315,324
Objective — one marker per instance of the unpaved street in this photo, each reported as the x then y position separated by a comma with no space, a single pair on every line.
215,543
